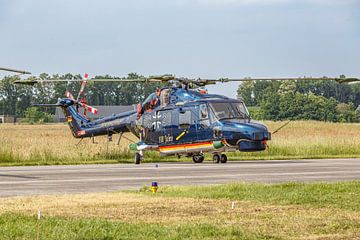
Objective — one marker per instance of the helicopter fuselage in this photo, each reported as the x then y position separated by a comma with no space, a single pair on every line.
184,122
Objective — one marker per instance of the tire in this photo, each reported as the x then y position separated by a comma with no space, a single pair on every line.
198,158
137,158
216,158
223,158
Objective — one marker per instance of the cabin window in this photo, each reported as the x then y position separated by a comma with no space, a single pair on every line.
166,117
204,120
185,119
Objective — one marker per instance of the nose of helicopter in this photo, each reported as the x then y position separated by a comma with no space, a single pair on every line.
248,136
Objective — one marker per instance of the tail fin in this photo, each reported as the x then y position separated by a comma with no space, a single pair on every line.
73,118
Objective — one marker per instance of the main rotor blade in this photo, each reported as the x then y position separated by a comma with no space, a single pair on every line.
14,70
338,79
123,80
197,82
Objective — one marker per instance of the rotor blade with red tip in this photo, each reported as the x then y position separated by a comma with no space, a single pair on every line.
92,109
83,101
69,95
82,86
89,108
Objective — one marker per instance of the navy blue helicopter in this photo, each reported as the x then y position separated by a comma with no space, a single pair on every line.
180,119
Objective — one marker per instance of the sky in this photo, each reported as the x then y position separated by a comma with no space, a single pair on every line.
188,38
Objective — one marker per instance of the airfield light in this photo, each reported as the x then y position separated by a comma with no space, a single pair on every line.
154,187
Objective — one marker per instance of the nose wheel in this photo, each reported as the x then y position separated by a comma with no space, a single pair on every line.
217,158
198,158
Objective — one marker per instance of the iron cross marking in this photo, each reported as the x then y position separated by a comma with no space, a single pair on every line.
157,120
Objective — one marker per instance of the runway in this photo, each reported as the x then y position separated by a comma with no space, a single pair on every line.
17,181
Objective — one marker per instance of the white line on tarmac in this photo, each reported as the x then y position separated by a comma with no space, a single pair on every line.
105,179
168,166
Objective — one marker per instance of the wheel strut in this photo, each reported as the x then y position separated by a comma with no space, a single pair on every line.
138,157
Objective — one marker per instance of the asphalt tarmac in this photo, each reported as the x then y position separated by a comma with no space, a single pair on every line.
18,181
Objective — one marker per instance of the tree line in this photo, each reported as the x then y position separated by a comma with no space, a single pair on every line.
301,100
267,100
16,99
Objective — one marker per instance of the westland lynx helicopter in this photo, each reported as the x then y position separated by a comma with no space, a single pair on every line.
180,119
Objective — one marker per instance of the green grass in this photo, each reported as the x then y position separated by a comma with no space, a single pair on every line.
342,195
18,226
264,211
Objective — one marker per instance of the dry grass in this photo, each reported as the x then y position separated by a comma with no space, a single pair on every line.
287,221
310,139
53,144
312,134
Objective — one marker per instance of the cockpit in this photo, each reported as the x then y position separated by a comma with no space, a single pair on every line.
230,110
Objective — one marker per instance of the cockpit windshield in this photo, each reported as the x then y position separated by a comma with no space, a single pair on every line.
229,110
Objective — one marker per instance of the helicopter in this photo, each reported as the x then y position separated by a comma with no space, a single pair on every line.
179,119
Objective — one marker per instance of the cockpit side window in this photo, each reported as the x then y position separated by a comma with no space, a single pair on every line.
229,110
203,111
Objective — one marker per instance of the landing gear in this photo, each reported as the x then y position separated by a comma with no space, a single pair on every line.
223,158
137,158
217,158
198,158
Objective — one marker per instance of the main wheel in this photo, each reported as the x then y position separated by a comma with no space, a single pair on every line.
223,158
137,158
216,158
198,158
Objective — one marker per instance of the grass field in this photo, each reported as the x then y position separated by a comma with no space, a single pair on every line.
53,144
281,211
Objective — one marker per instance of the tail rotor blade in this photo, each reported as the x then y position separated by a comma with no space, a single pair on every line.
89,108
84,102
92,109
69,95
83,84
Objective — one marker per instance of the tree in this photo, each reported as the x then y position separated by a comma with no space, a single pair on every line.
246,93
315,100
33,115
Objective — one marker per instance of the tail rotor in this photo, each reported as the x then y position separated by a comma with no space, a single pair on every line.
81,101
